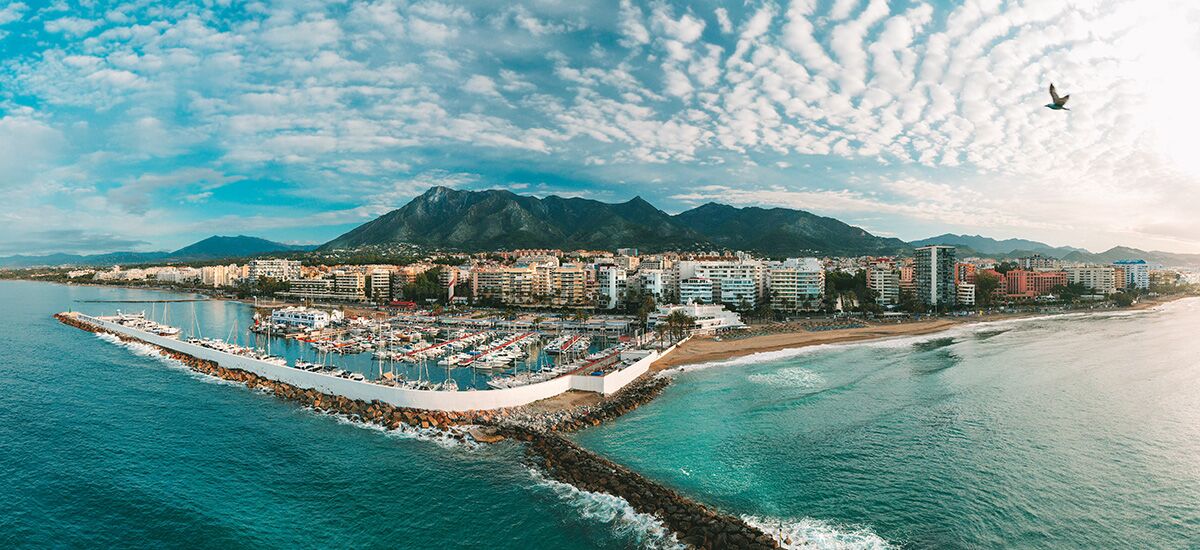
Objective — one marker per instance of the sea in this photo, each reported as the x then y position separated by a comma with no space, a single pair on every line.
1075,431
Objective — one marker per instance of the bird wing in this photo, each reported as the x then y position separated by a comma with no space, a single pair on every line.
1054,95
1063,100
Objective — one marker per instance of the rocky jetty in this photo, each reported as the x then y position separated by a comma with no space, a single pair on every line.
636,394
372,412
693,523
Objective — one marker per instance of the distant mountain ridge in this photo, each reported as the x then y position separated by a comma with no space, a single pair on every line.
989,246
1014,248
212,248
496,219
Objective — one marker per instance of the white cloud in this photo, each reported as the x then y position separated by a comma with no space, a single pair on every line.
12,12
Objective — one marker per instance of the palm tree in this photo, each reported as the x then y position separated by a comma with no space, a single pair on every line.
679,324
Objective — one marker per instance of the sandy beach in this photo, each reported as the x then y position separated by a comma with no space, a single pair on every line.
707,349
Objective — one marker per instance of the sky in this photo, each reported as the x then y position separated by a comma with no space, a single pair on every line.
148,125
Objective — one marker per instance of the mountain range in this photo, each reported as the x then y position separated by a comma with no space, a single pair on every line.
496,219
490,220
989,246
213,248
972,245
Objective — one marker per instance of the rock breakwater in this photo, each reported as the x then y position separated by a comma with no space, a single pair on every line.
563,460
694,523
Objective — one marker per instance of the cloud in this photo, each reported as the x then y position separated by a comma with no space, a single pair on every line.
12,12
71,241
862,105
136,196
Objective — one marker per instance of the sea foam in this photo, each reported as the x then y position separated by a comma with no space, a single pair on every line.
791,377
814,533
643,530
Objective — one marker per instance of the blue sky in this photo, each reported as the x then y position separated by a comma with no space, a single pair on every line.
138,125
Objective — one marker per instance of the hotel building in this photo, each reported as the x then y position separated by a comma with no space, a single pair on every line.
934,275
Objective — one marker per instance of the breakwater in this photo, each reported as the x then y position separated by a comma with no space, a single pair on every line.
373,412
693,523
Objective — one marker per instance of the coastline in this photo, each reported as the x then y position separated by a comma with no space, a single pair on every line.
709,349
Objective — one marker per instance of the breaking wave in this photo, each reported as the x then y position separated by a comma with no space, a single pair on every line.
642,530
791,377
454,437
814,533
450,438
146,350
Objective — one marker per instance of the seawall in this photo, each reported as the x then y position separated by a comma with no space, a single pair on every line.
563,460
693,523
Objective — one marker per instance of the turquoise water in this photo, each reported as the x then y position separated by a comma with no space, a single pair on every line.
1071,432
101,446
1079,432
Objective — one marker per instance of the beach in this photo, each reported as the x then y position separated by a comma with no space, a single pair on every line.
706,349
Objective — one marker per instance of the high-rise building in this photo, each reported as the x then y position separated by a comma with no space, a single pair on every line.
964,273
796,284
380,285
1136,272
275,269
883,278
1100,279
744,279
1038,262
696,290
934,275
611,283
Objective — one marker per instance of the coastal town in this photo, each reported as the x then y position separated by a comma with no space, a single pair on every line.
934,279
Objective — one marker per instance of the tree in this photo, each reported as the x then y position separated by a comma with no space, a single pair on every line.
1122,299
908,302
425,287
985,288
678,324
645,309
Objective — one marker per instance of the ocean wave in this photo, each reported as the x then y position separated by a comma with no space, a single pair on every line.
753,358
454,437
644,530
791,377
901,341
814,533
147,350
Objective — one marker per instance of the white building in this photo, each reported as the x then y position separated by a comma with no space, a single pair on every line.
735,275
696,290
177,275
796,284
303,317
1098,278
653,282
611,282
965,294
883,278
220,275
279,270
709,318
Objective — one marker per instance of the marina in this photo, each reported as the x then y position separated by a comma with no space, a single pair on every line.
409,365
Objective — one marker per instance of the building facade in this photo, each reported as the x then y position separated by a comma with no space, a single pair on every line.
933,275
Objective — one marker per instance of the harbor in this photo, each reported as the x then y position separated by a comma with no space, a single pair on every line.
410,365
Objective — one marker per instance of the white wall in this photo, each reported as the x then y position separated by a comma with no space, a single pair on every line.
400,397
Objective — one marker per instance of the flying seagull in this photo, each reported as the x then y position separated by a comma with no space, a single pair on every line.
1057,103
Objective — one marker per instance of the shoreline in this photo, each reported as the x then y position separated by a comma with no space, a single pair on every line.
700,350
